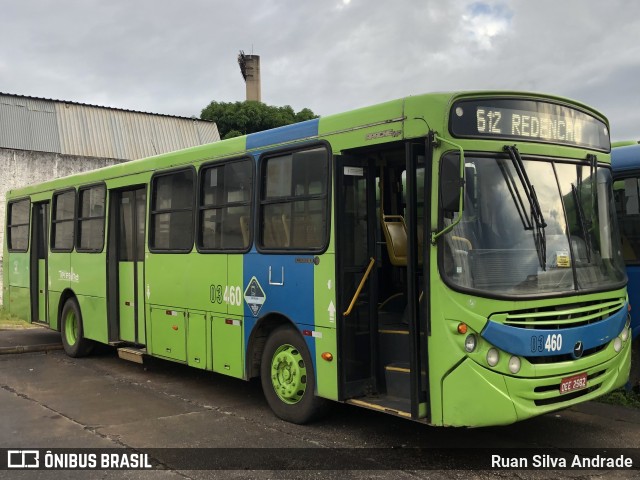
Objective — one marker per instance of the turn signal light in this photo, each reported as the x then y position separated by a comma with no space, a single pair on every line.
328,356
462,328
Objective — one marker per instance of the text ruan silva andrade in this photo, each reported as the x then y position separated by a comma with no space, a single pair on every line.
549,461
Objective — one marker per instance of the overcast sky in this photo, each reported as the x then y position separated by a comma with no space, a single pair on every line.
176,56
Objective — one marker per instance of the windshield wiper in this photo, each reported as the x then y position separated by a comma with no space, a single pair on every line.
586,224
539,236
577,198
515,195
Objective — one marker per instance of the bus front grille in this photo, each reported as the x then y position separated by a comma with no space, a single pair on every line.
594,383
561,316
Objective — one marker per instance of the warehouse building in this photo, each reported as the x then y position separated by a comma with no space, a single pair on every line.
41,139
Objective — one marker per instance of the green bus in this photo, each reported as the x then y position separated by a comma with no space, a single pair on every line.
450,258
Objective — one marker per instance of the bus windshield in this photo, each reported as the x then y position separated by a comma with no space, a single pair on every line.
500,247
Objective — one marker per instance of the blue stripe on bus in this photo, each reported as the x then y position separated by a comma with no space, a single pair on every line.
526,342
288,133
294,299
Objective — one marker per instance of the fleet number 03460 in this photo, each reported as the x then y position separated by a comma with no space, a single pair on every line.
231,294
546,343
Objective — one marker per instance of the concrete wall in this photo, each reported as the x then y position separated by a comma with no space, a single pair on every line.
19,168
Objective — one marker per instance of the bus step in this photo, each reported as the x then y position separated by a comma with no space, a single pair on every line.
397,377
132,354
400,407
394,345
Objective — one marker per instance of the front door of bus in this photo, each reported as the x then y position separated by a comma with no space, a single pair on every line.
356,215
39,262
128,223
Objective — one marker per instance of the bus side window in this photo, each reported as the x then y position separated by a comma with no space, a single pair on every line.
224,205
18,226
172,205
63,221
91,216
627,199
293,213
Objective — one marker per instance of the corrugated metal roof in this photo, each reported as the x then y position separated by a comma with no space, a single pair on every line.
30,123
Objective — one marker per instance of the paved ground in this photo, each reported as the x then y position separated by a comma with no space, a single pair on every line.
52,401
28,339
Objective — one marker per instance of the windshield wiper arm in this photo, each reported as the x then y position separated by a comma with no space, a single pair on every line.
515,195
577,197
539,237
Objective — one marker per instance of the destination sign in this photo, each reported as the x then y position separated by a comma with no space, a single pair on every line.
528,120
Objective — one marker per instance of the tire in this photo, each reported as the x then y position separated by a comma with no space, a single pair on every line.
288,379
73,341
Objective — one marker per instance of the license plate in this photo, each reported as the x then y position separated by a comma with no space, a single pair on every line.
575,382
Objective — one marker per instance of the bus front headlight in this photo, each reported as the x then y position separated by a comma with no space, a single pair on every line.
492,357
617,344
514,364
625,334
470,343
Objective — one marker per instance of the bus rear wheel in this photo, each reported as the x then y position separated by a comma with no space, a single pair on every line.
288,378
73,341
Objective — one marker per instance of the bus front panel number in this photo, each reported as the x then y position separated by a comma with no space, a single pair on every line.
231,294
546,343
488,121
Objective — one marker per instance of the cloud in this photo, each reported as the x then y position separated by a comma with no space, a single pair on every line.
483,22
175,57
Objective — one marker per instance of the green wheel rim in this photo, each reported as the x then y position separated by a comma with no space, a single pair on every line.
71,328
288,374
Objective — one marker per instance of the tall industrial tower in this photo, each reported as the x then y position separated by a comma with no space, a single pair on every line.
250,69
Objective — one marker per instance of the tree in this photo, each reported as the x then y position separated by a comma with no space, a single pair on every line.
241,118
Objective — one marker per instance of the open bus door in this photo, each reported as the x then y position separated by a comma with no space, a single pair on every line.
380,209
39,262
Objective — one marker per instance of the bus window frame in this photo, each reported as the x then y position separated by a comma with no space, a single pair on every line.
79,219
635,174
199,208
8,226
152,212
54,221
260,202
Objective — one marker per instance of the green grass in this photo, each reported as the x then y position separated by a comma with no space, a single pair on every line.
625,398
9,320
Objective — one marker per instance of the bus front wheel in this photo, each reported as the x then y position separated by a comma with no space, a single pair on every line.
73,341
288,379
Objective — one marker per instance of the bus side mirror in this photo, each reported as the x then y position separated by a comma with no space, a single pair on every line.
450,185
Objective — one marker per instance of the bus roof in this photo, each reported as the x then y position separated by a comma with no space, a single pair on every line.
625,158
381,114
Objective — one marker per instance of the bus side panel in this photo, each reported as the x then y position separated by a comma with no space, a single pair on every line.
90,288
235,304
94,318
285,282
194,281
633,288
380,118
61,277
54,302
227,348
325,321
18,270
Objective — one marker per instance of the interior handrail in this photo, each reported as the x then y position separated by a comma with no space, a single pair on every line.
372,262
